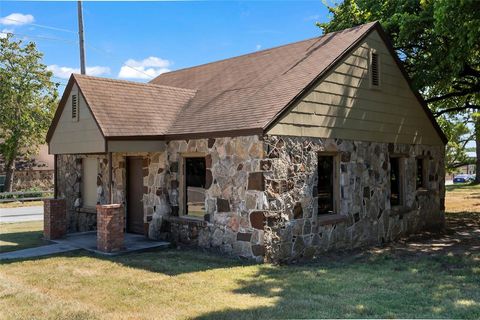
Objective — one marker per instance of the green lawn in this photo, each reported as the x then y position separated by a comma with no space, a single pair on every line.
425,277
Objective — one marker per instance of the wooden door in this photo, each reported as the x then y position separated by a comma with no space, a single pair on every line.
135,195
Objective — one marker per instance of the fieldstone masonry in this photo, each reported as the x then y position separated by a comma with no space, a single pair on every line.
295,230
54,219
110,222
69,179
261,199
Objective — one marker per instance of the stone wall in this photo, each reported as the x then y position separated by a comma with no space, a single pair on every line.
261,195
295,230
233,195
33,179
69,179
30,173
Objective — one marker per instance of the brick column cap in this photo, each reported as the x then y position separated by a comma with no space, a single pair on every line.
109,206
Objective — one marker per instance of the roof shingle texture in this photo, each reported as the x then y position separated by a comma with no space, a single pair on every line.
124,108
245,92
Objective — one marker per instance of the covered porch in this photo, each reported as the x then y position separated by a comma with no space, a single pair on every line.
132,243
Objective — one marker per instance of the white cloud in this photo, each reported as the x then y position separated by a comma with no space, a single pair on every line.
65,72
17,19
258,47
3,33
144,69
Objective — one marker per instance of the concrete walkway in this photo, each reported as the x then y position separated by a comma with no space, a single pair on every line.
21,214
86,241
37,252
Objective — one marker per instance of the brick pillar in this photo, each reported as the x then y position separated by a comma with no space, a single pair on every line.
110,224
54,218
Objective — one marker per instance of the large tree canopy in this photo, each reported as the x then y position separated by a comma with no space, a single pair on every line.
438,41
27,101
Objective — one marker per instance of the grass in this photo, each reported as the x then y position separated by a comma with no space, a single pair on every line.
462,198
16,236
17,204
400,281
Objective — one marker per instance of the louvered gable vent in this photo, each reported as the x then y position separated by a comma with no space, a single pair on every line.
375,69
74,108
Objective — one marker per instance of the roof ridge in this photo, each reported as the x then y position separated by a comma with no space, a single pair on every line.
264,50
77,75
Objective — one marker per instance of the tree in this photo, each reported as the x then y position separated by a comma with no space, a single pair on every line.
437,40
27,102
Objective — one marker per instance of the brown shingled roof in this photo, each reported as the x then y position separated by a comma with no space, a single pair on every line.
245,94
248,91
125,108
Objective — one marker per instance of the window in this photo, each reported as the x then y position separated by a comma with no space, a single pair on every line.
195,177
74,108
396,181
89,182
326,186
421,181
374,69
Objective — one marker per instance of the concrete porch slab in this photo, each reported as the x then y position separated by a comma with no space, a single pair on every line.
133,243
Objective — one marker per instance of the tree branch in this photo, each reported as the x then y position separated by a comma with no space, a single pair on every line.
462,93
454,109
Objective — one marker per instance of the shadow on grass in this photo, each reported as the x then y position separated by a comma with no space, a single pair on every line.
372,286
428,275
13,241
408,279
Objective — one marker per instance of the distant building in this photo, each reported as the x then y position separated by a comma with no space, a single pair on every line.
34,172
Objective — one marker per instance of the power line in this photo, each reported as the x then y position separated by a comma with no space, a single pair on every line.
75,42
15,34
43,26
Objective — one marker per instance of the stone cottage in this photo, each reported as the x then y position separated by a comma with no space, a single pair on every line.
276,155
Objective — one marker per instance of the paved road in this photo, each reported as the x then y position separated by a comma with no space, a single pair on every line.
21,214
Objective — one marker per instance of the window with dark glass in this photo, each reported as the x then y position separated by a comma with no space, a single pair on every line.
420,177
195,174
325,184
395,193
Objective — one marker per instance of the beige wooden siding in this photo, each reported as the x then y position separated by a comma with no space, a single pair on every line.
82,136
343,104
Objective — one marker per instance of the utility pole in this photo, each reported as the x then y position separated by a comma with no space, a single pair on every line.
81,39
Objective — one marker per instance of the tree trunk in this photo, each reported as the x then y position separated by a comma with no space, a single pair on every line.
477,151
10,171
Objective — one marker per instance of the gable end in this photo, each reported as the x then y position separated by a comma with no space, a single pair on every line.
342,102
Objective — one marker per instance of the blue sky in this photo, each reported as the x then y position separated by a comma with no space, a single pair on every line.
154,37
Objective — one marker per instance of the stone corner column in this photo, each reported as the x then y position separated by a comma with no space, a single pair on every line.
110,228
54,218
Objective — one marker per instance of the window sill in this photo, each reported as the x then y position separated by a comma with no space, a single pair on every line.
188,220
86,210
328,219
